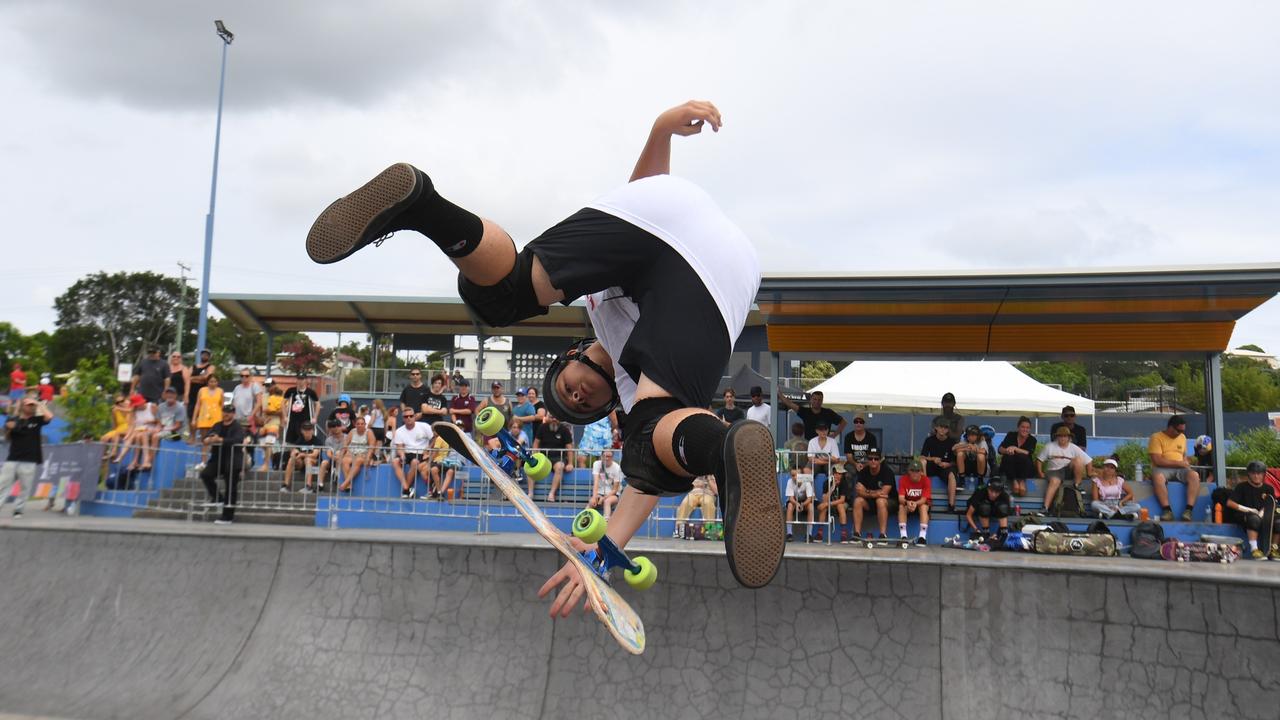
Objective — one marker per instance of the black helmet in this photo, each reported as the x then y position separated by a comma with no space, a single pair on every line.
973,430
1256,466
551,398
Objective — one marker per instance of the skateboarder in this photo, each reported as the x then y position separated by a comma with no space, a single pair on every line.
1248,500
668,282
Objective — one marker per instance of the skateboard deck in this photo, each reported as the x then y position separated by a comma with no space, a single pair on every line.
870,543
957,543
1265,529
1179,551
614,612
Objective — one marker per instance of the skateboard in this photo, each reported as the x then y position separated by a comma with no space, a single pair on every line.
593,565
958,543
870,543
1179,551
1268,520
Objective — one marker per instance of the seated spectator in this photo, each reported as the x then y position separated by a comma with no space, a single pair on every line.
121,412
595,438
940,459
823,450
915,492
1017,451
799,494
1168,452
171,418
1079,436
444,467
1112,497
606,483
836,498
702,496
305,456
987,504
334,450
271,414
357,444
411,441
797,448
342,418
731,413
858,443
524,411
1246,507
141,433
1058,462
1203,457
876,488
971,455
556,440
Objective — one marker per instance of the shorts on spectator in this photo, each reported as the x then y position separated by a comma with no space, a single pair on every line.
409,458
1172,474
1063,474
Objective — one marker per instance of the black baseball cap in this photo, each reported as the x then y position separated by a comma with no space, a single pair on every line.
948,397
757,390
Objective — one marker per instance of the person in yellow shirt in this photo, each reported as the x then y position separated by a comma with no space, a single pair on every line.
207,414
120,414
1168,452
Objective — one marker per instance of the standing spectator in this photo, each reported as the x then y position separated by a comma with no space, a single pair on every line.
539,411
760,411
45,390
415,394
953,420
462,409
271,412
497,400
1058,458
305,453
196,381
393,424
596,437
149,376
1111,494
799,494
797,447
606,483
524,411
303,405
22,430
378,424
556,440
1017,451
701,497
411,442
171,418
244,400
17,386
940,459
1203,457
1245,504
858,443
436,408
208,412
1079,436
730,413
177,376
342,418
914,495
815,414
823,451
876,488
226,462
988,503
1168,452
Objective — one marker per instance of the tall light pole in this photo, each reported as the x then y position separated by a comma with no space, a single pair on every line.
227,37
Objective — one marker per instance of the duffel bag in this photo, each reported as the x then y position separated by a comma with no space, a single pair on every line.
1049,542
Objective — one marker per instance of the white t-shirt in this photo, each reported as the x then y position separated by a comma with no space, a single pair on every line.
802,483
244,398
1056,457
761,413
831,447
414,440
610,477
685,217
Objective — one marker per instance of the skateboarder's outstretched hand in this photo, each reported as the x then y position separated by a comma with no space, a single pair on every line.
573,591
688,119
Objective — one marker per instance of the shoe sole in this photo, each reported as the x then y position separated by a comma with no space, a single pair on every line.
352,222
756,537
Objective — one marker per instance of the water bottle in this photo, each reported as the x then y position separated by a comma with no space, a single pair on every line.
1137,472
333,520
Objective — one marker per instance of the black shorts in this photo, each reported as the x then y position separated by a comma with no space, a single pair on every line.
411,457
680,340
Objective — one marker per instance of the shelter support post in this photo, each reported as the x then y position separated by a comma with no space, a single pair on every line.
271,352
480,338
1213,414
373,362
773,399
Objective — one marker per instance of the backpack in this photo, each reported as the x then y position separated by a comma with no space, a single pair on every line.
1099,527
1146,538
1070,502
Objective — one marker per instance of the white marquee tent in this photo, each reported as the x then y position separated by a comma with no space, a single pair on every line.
981,388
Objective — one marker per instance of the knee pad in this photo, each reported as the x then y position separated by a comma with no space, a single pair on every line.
1252,522
698,444
1001,511
511,300
640,461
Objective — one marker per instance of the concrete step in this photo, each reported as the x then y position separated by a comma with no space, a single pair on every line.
259,517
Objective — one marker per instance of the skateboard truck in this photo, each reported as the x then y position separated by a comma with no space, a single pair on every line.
511,454
589,526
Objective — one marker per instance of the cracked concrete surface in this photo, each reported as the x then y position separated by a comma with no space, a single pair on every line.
106,624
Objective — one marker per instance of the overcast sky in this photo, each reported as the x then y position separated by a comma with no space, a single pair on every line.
857,136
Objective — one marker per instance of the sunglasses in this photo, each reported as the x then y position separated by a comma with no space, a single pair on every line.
859,422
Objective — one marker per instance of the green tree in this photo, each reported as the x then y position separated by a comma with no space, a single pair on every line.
1260,443
87,405
29,350
1071,377
131,310
814,372
1254,348
68,345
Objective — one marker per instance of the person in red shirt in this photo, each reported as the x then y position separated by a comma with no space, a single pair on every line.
17,383
46,390
914,496
462,409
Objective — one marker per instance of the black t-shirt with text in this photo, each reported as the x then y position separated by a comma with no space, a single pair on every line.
811,418
343,417
299,404
859,448
24,439
553,439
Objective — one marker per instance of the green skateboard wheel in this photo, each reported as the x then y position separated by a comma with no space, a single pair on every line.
538,467
589,526
645,578
490,421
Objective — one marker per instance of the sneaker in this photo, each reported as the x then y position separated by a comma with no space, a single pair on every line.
921,542
404,494
198,467
1166,516
305,491
790,537
1186,515
844,536
366,215
882,536
285,489
754,529
17,514
817,535
1257,554
1275,553
413,493
220,521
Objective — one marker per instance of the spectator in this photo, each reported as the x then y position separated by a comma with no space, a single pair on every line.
196,381
45,390
1168,452
1058,458
914,495
703,497
1111,494
244,399
393,423
22,429
940,458
606,483
954,421
836,498
208,412
539,411
971,455
1017,451
303,407
731,413
342,418
555,439
411,441
17,386
462,409
335,444
815,414
444,467
457,381
760,411
858,443
822,451
1245,504
1079,436
178,377
358,444
121,412
987,504
797,447
596,437
415,394
799,493
143,430
497,400
876,488
226,462
1203,460
171,418
149,376
271,412
378,425
524,412
304,454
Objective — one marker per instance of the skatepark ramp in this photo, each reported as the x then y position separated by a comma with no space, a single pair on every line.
130,619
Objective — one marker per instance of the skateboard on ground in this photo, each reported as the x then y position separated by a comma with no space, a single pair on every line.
959,543
593,565
1179,551
870,543
1265,529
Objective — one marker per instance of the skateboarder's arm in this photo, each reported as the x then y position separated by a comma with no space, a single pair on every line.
686,119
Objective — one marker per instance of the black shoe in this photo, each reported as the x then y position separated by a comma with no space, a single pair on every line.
755,533
882,536
366,215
